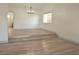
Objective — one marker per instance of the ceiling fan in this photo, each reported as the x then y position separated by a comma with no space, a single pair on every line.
29,10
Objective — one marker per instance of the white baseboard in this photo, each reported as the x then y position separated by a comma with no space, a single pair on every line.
69,40
3,41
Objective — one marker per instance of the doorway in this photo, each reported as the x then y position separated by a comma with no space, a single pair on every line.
10,22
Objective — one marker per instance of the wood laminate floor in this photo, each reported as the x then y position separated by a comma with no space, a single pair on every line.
37,42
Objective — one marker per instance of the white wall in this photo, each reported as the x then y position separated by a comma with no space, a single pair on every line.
25,21
3,23
65,20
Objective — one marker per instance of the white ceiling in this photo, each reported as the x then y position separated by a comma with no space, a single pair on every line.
21,5
39,7
35,6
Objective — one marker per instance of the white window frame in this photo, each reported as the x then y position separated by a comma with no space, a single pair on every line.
47,18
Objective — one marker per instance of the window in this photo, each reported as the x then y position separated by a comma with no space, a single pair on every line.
47,18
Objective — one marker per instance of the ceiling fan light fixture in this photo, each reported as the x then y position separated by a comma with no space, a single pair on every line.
30,10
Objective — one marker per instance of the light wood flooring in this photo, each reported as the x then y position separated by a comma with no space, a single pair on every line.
37,42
